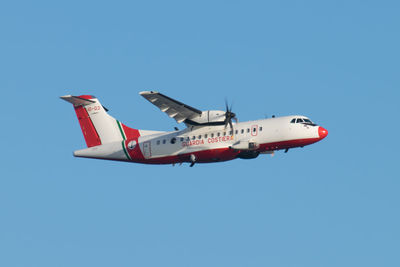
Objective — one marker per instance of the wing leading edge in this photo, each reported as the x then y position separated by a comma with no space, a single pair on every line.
174,109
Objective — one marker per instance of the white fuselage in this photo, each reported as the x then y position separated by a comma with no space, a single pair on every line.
211,143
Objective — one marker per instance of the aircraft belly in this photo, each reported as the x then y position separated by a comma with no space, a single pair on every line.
178,150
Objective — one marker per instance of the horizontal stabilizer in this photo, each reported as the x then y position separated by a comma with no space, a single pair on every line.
76,100
112,151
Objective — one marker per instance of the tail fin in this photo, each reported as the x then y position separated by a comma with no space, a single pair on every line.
97,126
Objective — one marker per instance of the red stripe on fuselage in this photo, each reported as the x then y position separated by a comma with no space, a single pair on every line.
135,154
130,133
287,144
204,156
89,131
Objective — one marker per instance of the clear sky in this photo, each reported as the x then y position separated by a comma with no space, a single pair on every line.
334,203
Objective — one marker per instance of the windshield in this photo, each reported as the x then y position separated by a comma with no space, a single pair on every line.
303,121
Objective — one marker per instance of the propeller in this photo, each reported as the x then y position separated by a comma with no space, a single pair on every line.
229,115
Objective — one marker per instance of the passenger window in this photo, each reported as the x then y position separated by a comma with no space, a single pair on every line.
199,136
248,130
260,128
158,142
293,121
242,131
194,137
163,141
205,136
212,135
224,133
236,131
218,134
187,138
230,132
181,139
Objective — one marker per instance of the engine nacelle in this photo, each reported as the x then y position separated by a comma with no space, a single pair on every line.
248,154
208,117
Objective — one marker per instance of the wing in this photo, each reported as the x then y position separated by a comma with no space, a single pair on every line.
174,109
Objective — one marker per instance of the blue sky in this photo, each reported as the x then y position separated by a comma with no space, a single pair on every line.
335,203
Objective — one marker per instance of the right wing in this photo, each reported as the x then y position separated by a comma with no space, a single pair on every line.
174,109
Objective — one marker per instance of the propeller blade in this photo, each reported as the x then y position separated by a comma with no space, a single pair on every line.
229,115
230,124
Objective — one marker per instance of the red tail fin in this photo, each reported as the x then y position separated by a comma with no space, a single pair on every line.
89,131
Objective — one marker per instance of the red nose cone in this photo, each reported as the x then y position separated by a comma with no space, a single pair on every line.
322,132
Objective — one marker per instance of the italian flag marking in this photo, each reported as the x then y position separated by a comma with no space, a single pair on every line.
123,140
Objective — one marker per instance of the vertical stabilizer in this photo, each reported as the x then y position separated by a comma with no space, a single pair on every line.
97,126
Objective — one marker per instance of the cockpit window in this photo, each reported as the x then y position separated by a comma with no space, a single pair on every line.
303,121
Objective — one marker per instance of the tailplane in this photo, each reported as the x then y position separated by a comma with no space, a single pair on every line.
97,126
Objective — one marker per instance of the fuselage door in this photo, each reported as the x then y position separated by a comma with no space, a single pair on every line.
147,149
254,130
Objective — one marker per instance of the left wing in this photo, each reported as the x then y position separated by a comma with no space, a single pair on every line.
174,109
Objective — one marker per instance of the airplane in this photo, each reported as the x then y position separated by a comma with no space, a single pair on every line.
209,136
